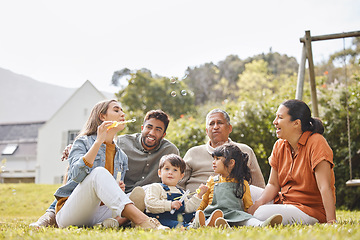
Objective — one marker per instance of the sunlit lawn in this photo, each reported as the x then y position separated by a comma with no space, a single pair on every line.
21,204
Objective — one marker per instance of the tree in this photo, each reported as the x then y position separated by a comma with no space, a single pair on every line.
145,92
201,81
255,81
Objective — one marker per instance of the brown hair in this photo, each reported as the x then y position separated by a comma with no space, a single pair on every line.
174,160
91,125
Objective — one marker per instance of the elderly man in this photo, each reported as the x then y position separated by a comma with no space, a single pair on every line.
144,151
199,160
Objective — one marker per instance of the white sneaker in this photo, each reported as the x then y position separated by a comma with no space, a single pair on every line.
199,220
151,223
46,220
137,195
275,219
110,223
221,223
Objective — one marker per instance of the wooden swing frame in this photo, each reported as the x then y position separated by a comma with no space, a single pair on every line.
307,54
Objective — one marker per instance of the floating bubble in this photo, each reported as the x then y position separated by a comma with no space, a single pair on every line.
183,92
172,80
173,94
128,121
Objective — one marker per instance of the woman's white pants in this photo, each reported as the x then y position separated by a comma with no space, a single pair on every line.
290,213
82,208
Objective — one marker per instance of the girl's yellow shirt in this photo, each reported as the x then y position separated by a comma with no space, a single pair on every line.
208,196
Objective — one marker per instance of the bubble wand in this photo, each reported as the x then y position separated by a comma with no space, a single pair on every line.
118,177
181,200
197,191
115,123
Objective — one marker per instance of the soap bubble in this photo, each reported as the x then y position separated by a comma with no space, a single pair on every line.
172,80
173,94
183,92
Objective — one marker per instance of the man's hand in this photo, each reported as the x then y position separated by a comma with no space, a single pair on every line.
65,153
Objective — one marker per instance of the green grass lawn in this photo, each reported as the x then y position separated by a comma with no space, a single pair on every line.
21,204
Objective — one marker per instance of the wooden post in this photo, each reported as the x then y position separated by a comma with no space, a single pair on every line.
311,73
307,53
333,36
301,74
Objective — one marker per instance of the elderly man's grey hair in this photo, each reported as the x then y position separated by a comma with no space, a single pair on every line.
217,110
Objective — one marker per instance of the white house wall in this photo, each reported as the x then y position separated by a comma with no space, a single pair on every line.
52,137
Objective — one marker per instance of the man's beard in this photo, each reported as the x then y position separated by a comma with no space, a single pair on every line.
156,142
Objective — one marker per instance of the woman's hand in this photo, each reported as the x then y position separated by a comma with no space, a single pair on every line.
102,131
122,185
269,193
253,208
323,180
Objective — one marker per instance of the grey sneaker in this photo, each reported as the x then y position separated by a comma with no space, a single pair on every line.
275,219
46,220
137,195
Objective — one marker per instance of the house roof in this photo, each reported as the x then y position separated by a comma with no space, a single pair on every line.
23,136
20,132
23,149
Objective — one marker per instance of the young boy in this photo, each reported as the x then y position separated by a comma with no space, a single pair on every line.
161,198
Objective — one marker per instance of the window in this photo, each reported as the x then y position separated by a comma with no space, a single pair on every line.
72,135
10,149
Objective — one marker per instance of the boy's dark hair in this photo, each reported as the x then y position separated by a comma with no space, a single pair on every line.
241,171
158,114
174,160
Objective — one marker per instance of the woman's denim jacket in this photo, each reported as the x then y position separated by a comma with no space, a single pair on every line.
78,170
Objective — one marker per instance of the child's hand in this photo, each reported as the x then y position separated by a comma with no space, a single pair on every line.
176,205
201,190
122,185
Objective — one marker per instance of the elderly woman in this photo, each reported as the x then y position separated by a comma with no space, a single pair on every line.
301,182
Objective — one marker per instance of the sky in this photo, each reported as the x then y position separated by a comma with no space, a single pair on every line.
70,41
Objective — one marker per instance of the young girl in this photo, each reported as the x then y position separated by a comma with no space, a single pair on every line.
91,194
162,198
221,204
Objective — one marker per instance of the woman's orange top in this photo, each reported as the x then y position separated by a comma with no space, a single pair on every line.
296,175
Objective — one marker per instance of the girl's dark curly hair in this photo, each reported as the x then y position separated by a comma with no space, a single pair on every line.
241,171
